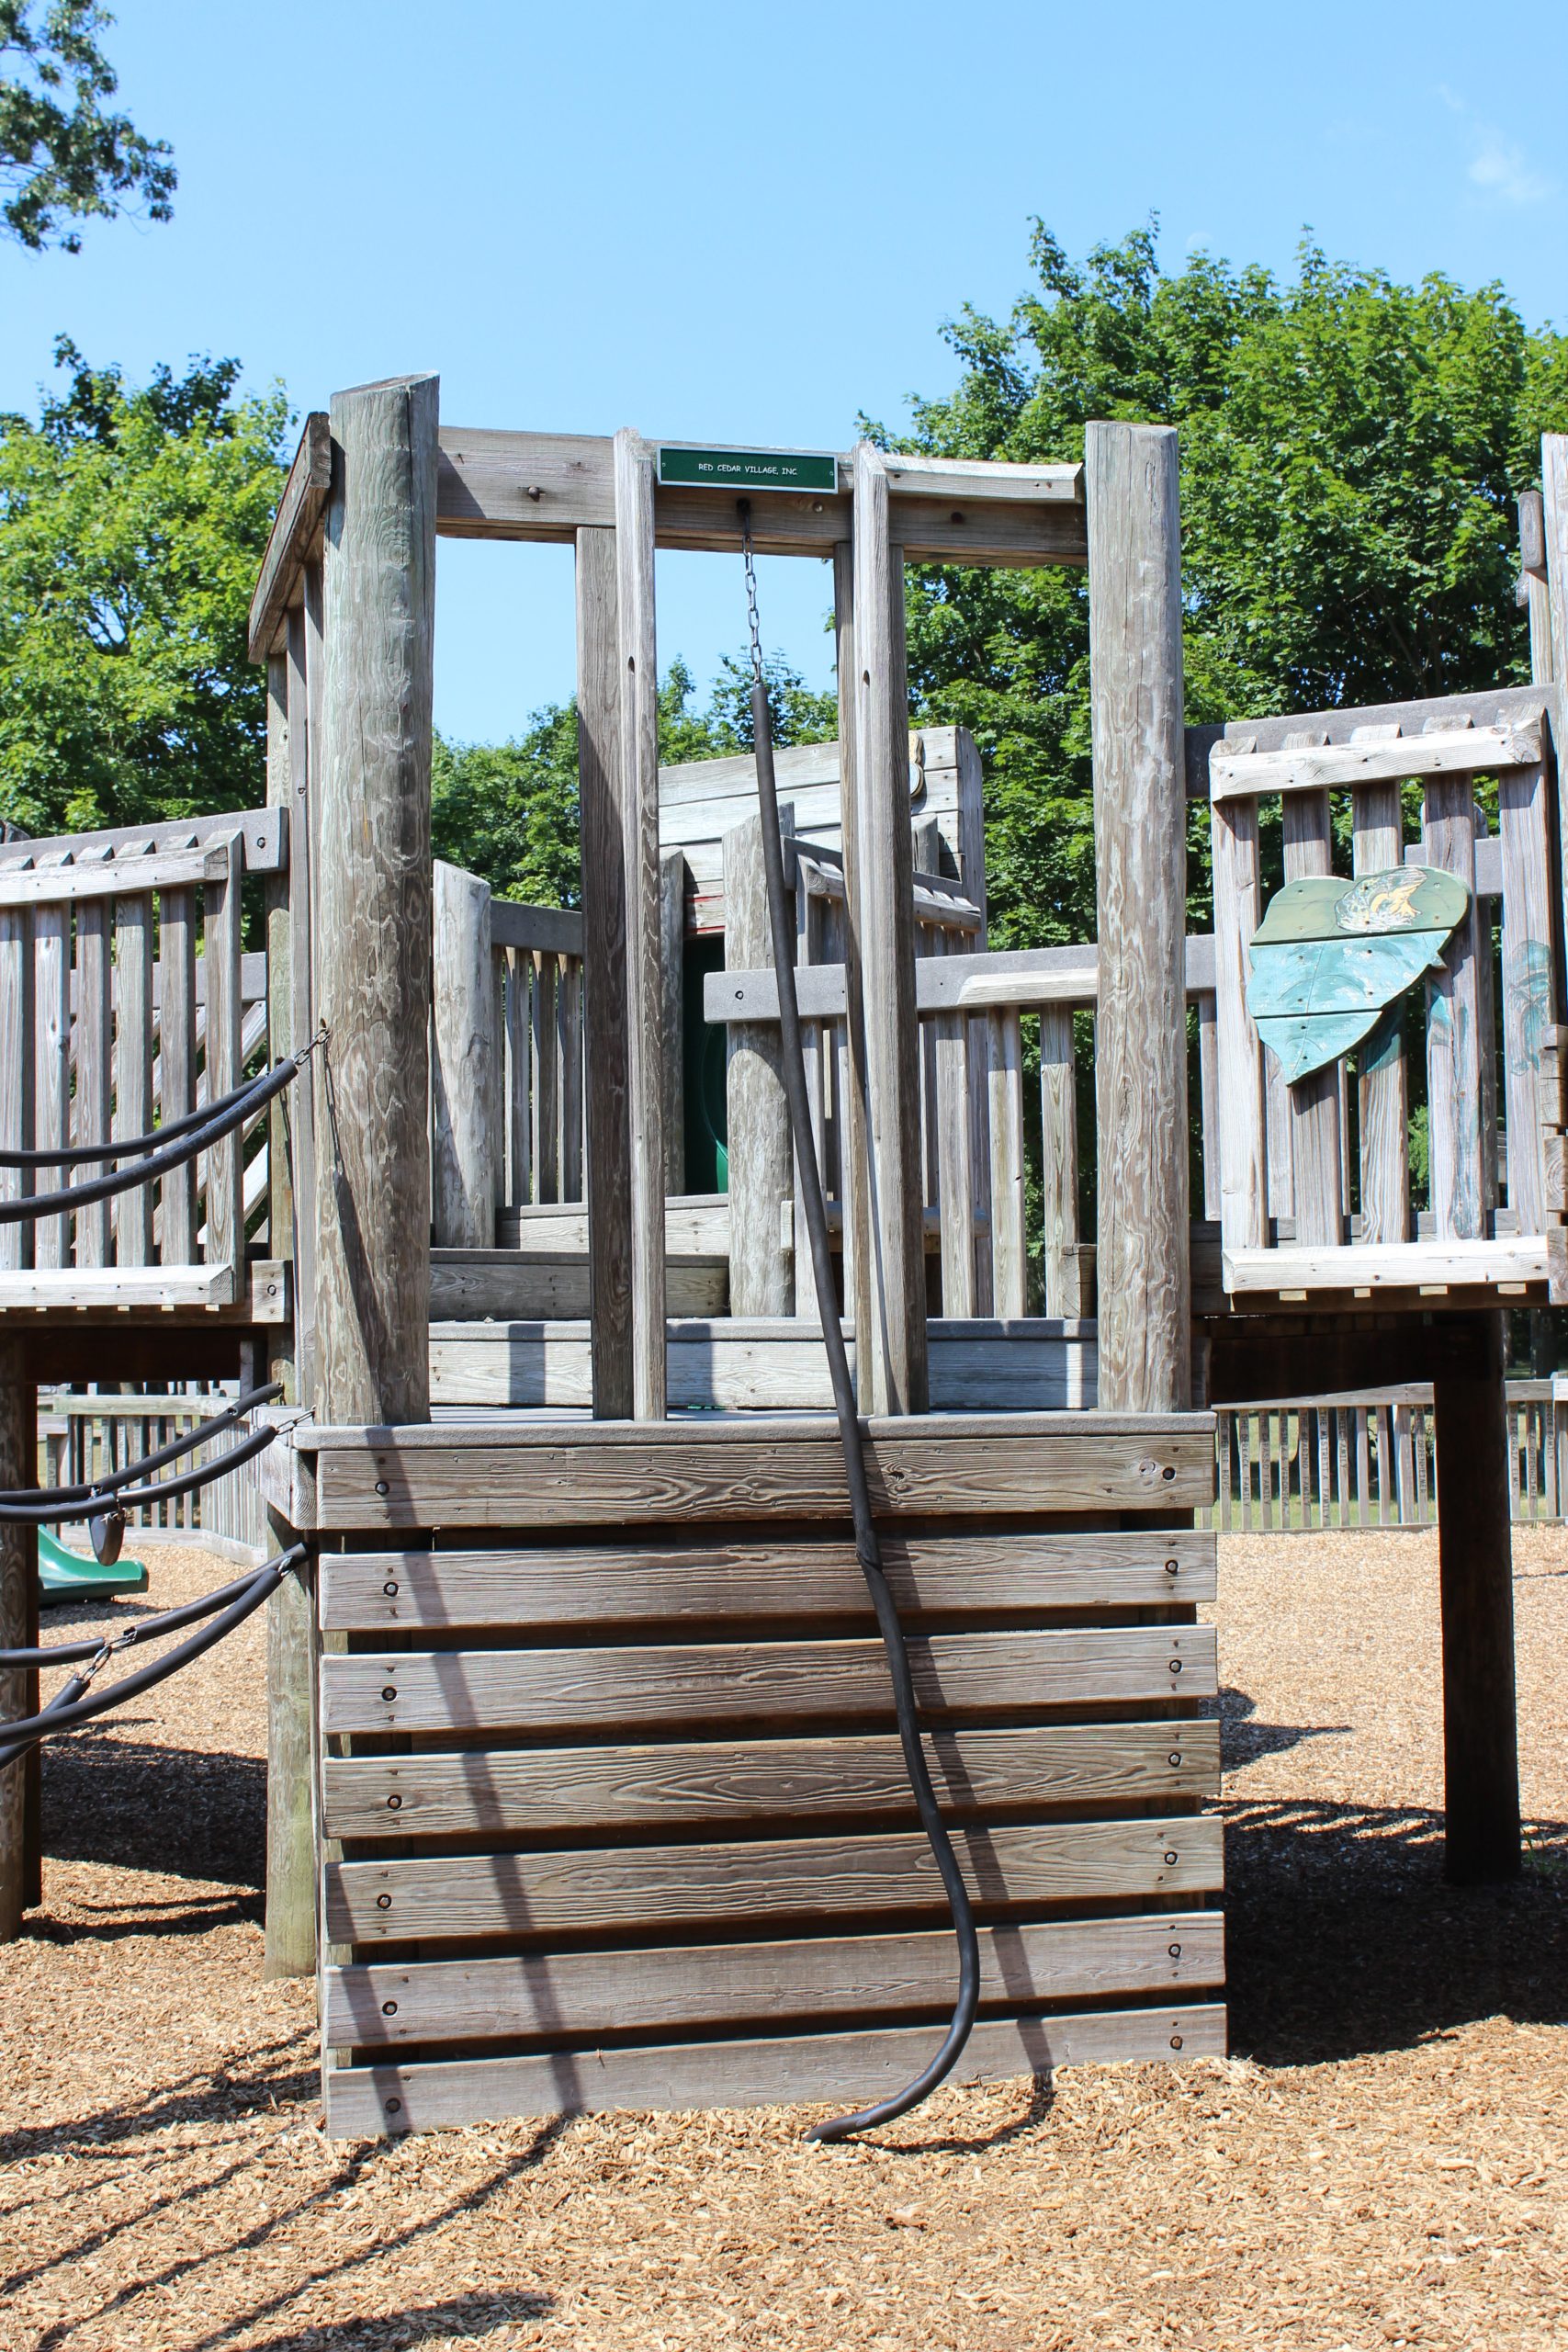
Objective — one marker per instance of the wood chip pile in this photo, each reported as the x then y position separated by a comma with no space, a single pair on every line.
1380,2163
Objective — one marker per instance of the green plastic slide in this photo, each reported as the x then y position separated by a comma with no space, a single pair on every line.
65,1576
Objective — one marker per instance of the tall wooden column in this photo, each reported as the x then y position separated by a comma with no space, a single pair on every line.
638,743
1480,1764
18,1629
1140,845
607,1179
464,1098
372,927
882,915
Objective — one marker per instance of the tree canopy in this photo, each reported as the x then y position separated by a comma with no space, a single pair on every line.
63,159
132,527
1351,451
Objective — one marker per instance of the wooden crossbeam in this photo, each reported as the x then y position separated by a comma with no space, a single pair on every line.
293,533
1236,774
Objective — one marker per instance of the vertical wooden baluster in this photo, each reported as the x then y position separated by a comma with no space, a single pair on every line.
1059,1159
569,1019
94,1073
1004,1117
546,1094
808,950
604,973
15,1073
176,1059
1382,1083
1244,1204
1454,1043
673,967
51,1067
949,1033
225,1169
133,1066
1209,1102
1524,829
1316,1154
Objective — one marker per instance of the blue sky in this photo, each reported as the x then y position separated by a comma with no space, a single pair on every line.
746,225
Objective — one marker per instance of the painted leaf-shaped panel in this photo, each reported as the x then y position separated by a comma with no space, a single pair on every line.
1329,957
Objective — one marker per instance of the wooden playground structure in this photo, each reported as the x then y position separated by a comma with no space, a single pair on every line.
583,1786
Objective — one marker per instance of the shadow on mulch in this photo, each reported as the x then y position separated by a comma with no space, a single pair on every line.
1344,1940
465,2315
272,2076
172,1811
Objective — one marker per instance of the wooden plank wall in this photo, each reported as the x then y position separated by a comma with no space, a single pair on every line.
618,1816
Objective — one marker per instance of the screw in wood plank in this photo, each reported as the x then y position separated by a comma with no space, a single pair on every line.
1175,1951
391,1590
389,2008
1175,1666
1172,1568
1175,1756
389,1691
1171,1856
394,1802
382,1488
394,2107
1176,2042
383,1903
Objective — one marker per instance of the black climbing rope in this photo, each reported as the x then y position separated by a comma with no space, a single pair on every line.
127,1145
216,1123
120,1500
134,1470
75,1704
867,1548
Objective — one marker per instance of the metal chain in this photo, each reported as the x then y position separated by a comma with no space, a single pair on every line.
746,550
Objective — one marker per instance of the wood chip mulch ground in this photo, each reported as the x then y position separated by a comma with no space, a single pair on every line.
1380,2163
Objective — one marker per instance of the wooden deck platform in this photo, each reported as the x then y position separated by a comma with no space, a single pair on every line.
611,1795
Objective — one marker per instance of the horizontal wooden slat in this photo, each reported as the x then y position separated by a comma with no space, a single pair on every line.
535,486
566,1690
975,1772
696,1225
641,1887
793,1579
707,1985
544,931
264,840
1023,976
606,1473
527,1285
1395,1265
110,877
1493,706
1464,750
134,1287
853,2067
734,1363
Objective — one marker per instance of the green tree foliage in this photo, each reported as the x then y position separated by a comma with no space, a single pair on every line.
132,527
62,158
508,811
1350,450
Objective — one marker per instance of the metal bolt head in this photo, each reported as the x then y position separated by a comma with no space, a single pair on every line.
394,1802
394,2107
388,2009
383,1903
389,1691
391,1590
1171,1856
1175,1666
1173,1568
1175,1951
1176,2042
382,1488
1174,1757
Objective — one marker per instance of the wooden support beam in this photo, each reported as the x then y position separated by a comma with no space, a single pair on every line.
761,1164
292,537
609,1176
372,928
463,1098
673,968
1453,1028
1140,830
1480,1730
638,742
884,917
18,1629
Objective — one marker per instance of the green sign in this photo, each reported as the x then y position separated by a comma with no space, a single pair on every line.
1330,957
749,469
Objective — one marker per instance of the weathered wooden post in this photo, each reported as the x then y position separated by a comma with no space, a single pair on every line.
372,921
463,1094
1140,844
894,1346
607,1179
18,1629
762,1169
638,743
1476,1567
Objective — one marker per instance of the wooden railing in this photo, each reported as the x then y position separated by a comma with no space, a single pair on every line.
125,1000
83,1437
1316,1183
1368,1459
